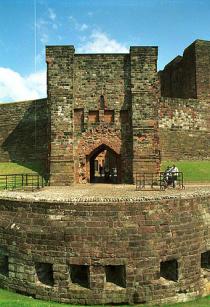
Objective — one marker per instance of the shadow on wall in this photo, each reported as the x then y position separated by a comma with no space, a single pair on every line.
27,144
126,127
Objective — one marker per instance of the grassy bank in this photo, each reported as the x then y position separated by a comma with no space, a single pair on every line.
13,182
15,168
10,299
194,171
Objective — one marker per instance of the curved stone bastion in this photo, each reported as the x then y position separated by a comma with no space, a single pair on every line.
134,248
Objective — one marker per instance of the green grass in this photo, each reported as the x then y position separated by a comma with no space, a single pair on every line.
15,168
194,171
7,168
10,299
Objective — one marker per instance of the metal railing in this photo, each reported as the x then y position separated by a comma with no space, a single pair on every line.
159,181
21,181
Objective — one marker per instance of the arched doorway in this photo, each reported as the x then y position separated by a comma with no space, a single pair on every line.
104,165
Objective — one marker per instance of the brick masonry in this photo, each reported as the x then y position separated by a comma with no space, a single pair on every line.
184,127
136,237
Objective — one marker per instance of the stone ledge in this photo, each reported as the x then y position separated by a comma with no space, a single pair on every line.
123,193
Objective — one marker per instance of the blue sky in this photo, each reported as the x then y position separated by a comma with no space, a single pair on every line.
91,26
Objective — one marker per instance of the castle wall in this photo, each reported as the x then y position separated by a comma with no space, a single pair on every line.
188,76
184,116
123,249
23,136
178,79
184,126
202,69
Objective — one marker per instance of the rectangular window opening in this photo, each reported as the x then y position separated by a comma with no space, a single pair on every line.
116,274
205,260
80,275
44,273
169,270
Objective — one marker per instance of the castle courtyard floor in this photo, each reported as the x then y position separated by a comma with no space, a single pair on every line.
104,193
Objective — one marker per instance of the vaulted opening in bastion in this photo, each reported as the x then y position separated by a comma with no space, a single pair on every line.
4,264
80,275
115,274
44,273
205,260
105,165
169,270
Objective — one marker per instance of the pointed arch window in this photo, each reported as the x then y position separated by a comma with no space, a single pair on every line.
102,102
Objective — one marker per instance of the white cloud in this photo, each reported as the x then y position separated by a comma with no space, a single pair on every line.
52,14
14,87
42,33
44,38
99,42
78,26
41,23
83,27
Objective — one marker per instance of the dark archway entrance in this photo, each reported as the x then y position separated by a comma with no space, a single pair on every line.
105,165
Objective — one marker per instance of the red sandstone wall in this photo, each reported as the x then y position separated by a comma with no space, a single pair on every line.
203,69
185,123
60,68
188,76
138,235
145,96
178,79
129,85
101,74
184,126
19,141
107,75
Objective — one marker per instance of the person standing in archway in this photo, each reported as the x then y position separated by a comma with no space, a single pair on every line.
100,170
106,173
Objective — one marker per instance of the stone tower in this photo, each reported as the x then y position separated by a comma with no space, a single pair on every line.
102,103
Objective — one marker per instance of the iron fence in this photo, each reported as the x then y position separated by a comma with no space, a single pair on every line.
159,181
21,181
